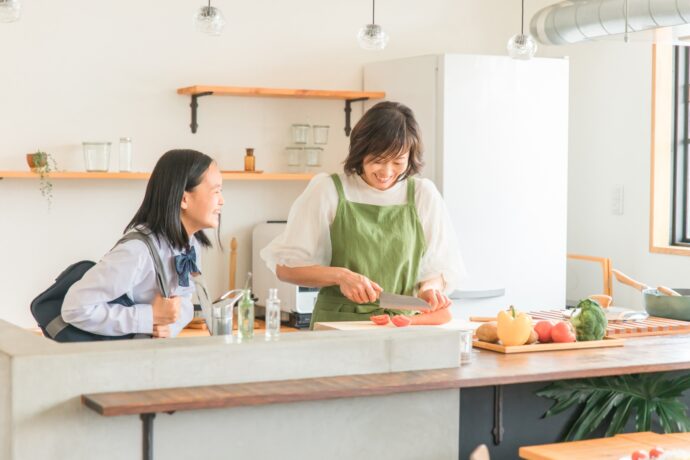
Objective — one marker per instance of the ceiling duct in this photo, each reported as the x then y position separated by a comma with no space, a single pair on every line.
578,20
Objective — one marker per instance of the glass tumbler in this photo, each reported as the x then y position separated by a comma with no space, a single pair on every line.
466,345
294,158
96,156
313,156
320,134
300,132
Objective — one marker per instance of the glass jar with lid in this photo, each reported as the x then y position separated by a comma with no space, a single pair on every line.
294,158
96,156
312,156
300,133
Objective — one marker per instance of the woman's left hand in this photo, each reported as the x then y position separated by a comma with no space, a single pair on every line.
436,298
161,332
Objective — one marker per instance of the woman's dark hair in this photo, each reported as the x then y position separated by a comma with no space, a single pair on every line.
385,131
176,172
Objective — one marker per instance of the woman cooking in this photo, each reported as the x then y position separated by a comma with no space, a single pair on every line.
374,228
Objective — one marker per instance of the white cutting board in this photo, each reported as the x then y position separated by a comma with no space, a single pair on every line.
454,324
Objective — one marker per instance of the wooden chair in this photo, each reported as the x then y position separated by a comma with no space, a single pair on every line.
605,268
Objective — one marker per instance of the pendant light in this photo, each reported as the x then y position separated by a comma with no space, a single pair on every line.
10,10
372,36
521,46
209,20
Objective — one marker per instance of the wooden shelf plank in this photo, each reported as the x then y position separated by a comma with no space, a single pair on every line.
280,92
146,175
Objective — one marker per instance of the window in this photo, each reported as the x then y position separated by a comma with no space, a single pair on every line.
680,228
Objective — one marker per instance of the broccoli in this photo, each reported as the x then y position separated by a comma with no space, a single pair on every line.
589,321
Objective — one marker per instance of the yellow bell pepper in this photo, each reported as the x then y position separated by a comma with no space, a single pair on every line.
514,328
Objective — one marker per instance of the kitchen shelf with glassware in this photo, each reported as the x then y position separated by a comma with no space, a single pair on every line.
349,97
232,176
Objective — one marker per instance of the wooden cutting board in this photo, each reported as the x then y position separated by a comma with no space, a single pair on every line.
547,346
622,329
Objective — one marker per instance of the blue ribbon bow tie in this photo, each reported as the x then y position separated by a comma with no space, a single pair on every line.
185,264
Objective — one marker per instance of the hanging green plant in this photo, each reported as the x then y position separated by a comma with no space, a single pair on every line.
43,163
615,399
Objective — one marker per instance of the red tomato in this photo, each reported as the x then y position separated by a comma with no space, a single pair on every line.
562,332
543,330
656,452
380,320
639,455
401,320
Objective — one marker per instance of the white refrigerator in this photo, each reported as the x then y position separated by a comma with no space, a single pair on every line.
496,141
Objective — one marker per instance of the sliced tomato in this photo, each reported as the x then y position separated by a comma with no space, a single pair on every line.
380,320
656,452
401,320
639,455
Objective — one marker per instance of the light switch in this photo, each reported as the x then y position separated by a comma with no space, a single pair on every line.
617,200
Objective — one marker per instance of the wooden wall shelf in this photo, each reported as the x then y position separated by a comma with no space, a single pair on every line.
146,175
349,97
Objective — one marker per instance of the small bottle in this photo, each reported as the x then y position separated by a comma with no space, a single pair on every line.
272,315
245,316
125,158
249,160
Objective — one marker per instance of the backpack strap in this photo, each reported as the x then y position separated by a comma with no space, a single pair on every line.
155,256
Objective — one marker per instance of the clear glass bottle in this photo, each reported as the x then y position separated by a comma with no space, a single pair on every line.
125,163
249,160
272,315
245,316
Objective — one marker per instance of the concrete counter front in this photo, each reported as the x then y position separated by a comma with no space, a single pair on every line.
42,382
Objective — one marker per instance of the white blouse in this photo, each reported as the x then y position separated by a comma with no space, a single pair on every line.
127,269
307,240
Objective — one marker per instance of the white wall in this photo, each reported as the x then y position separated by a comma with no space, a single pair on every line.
610,145
78,71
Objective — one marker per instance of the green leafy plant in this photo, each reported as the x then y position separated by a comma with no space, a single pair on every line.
615,399
43,164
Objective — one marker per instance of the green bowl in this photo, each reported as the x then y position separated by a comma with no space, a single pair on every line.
664,306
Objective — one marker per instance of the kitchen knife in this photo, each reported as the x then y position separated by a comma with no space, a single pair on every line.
402,302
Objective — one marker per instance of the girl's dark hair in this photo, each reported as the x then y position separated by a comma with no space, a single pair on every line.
386,130
176,172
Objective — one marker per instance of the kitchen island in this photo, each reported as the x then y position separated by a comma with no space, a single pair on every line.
411,401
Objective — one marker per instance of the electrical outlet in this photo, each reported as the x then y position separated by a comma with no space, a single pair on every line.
617,194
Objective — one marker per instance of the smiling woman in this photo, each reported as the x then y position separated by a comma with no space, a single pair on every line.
374,228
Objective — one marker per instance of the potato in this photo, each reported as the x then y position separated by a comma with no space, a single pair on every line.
533,337
488,332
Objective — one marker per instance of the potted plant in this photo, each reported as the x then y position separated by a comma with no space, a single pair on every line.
43,163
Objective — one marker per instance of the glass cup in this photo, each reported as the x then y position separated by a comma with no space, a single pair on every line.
466,345
312,156
294,158
320,134
96,156
300,132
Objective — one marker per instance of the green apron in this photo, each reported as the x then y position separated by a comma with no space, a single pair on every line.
383,243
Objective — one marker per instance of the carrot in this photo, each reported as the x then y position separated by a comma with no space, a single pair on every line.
433,318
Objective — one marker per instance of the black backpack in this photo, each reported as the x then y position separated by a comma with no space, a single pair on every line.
46,308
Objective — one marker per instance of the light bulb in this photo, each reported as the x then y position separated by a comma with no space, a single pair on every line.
521,46
10,10
209,20
372,37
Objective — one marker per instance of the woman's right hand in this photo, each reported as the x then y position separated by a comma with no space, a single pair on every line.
165,310
358,288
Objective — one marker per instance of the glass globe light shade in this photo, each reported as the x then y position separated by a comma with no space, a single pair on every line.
372,37
10,10
209,20
521,46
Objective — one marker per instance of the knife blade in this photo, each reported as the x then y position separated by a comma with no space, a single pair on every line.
402,302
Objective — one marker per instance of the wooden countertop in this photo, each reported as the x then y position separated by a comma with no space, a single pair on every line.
647,354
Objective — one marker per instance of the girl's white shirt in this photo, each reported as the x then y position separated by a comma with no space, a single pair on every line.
128,269
306,240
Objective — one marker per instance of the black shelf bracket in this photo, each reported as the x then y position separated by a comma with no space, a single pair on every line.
194,105
348,110
498,430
